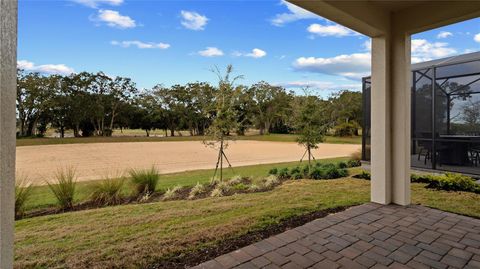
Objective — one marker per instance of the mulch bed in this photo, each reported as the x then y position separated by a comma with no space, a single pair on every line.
198,256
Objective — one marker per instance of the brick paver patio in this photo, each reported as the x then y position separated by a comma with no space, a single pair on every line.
367,236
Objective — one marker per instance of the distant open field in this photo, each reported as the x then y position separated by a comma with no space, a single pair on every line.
95,161
141,138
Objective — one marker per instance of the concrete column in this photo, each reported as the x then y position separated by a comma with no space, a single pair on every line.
390,116
8,88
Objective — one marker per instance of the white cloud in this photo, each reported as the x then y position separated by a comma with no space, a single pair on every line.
444,34
423,50
330,30
255,53
295,13
357,65
319,85
193,21
96,3
115,19
477,38
60,69
211,52
140,44
351,66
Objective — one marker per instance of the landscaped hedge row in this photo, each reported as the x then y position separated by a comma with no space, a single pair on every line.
144,182
317,171
447,181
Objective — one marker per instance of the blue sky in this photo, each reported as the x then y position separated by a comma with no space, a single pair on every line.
172,42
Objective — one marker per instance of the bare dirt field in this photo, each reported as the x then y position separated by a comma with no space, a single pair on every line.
96,161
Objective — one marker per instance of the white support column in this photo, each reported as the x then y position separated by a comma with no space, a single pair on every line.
390,110
8,88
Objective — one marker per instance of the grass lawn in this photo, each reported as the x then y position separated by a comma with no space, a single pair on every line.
42,197
134,236
83,140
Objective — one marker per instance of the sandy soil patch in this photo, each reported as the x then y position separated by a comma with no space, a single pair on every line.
94,161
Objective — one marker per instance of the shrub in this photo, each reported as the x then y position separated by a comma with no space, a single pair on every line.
217,193
306,169
363,175
239,180
64,187
354,163
334,172
235,180
255,188
329,171
342,165
273,171
346,129
240,187
295,170
271,181
108,191
317,173
297,175
145,181
197,190
221,189
172,194
328,166
423,178
23,191
283,174
454,182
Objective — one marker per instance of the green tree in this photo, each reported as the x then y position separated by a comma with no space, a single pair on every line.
33,100
345,110
272,104
225,117
310,123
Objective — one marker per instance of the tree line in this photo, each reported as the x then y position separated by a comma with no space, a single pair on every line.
94,104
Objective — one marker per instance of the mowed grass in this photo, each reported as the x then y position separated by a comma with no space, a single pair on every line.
135,236
115,139
42,197
464,203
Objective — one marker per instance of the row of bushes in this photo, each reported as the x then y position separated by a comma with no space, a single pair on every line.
317,171
106,192
447,181
144,183
217,188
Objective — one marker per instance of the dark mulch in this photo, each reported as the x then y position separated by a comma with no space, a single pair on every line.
188,259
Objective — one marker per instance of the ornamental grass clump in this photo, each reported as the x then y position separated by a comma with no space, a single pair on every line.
221,189
108,192
237,180
23,191
197,191
64,187
145,181
271,181
172,194
256,188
